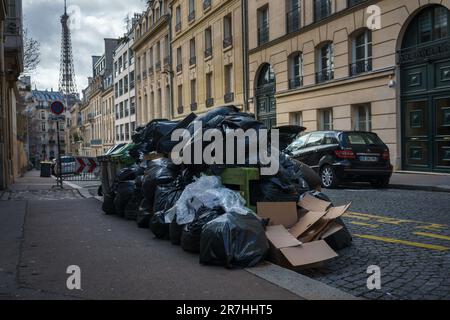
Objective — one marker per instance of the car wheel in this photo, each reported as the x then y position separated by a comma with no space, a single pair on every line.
328,177
381,183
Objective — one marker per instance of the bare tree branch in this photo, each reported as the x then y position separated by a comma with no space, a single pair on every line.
31,53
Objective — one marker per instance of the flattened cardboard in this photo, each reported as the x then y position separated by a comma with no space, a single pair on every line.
309,253
311,203
306,222
333,228
280,237
280,213
337,212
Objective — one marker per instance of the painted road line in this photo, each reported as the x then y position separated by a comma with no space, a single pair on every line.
432,235
404,242
363,224
394,221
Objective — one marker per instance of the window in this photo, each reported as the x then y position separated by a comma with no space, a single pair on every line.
292,15
352,3
116,90
208,42
150,55
229,95
158,55
127,111
315,140
121,87
191,16
263,25
362,118
125,60
295,62
193,94
178,19
180,99
298,144
179,60
325,65
42,115
125,84
322,9
296,118
132,106
120,65
192,57
209,90
227,31
132,83
127,131
166,49
326,119
121,113
362,53
43,127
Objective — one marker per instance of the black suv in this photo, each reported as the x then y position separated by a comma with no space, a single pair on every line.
344,156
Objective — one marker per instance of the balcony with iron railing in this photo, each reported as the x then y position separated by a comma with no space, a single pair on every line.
191,16
209,102
180,110
96,142
295,82
192,61
158,66
208,52
179,68
361,66
229,97
293,21
263,35
178,27
228,42
166,61
325,75
194,106
206,5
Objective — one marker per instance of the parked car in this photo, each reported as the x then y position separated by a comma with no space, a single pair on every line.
344,156
68,165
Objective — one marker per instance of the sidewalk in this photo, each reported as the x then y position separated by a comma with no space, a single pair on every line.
39,239
418,181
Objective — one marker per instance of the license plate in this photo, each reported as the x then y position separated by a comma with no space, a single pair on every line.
368,159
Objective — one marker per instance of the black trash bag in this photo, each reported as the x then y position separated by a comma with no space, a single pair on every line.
159,227
341,239
234,240
144,215
311,177
108,204
132,208
125,191
166,196
165,144
190,240
175,232
159,172
155,131
129,174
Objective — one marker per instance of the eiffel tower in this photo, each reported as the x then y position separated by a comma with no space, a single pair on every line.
67,83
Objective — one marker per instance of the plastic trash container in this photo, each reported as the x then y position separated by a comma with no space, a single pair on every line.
46,169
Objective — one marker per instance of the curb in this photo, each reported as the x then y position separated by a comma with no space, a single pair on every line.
82,191
300,285
419,188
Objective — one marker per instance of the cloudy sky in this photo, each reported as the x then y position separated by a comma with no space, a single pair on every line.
94,20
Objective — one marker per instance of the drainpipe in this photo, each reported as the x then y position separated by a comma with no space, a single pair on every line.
245,52
170,73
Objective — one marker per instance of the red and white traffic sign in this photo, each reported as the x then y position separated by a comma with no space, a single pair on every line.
86,165
57,108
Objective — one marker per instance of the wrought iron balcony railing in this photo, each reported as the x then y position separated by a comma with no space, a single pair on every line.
208,52
178,27
192,61
180,110
361,66
227,42
209,102
229,97
179,68
194,106
296,82
191,16
324,75
206,4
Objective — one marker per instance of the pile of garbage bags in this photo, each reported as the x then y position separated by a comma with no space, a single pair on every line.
188,204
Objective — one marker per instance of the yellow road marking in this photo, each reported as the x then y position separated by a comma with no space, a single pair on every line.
431,235
364,224
404,242
433,227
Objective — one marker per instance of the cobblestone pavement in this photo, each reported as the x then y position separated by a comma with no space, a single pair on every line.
405,233
40,195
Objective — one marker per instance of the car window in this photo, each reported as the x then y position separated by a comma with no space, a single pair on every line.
330,139
298,144
362,139
315,140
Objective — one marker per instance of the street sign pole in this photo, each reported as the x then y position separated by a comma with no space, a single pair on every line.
59,180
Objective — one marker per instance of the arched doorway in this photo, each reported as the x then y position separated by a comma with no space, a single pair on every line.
265,96
425,91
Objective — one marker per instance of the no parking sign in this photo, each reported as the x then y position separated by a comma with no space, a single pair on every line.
57,108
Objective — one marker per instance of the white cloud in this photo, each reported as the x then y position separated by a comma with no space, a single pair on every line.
99,19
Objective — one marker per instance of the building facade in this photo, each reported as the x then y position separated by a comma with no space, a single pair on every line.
124,89
11,66
208,55
153,71
347,65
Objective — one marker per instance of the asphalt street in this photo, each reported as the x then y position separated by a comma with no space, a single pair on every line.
405,233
